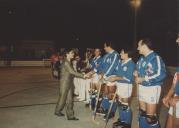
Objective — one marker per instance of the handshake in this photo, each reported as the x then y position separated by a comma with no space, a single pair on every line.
88,75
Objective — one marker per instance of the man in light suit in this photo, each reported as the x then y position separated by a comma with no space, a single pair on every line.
67,75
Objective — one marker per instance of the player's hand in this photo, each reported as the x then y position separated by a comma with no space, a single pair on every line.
101,75
90,73
166,101
112,79
87,76
135,73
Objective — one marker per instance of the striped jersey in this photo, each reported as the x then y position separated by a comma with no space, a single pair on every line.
152,68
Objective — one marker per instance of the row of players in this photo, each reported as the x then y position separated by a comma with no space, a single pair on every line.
148,74
120,71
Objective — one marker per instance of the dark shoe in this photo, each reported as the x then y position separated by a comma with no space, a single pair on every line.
75,95
73,118
59,114
111,115
118,122
102,111
86,105
121,124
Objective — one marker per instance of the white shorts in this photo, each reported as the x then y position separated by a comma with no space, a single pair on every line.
149,94
177,110
124,90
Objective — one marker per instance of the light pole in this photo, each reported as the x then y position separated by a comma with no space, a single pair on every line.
135,5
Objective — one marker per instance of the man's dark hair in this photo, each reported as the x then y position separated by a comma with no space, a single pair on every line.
128,51
98,49
68,50
109,44
147,42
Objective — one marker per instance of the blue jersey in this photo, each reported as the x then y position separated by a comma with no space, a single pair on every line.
177,81
152,68
125,70
95,62
108,64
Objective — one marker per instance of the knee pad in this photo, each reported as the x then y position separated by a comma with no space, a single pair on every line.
152,121
119,104
149,121
142,113
124,107
105,103
125,114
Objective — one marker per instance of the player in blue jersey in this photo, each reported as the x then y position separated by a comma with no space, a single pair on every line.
124,80
109,61
94,85
172,99
105,69
94,64
96,60
149,76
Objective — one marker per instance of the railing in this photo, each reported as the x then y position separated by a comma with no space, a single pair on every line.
23,63
46,62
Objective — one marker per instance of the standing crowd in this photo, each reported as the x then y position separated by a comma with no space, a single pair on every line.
106,83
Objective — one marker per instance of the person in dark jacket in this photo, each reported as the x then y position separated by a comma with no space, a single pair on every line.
66,89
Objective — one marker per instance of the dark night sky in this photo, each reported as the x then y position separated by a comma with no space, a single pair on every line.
91,21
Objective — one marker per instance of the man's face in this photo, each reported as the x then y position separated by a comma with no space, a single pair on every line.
140,47
106,48
71,54
123,55
177,40
97,52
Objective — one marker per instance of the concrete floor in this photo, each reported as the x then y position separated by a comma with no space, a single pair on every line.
28,97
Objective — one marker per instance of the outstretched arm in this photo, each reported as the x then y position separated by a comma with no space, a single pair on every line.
70,69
